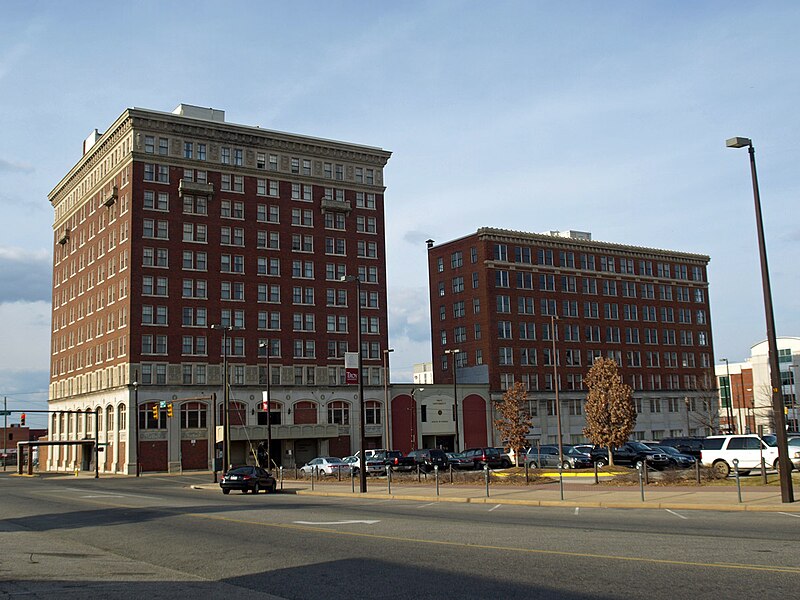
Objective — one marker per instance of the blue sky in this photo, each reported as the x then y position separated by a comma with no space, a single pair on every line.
609,117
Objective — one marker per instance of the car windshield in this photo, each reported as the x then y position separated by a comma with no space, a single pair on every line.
666,449
573,452
241,471
336,461
638,446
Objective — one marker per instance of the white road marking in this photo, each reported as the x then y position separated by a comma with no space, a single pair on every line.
577,510
366,522
424,505
104,496
790,515
495,507
672,512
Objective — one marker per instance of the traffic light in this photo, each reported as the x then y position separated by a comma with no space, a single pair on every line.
22,420
169,410
155,411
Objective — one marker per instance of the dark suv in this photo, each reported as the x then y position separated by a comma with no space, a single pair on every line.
692,446
631,454
428,459
481,457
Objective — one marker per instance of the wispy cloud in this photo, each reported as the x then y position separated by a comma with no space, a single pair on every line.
25,275
7,166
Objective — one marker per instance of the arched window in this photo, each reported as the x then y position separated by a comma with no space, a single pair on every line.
98,416
275,409
109,418
305,413
148,421
238,411
122,417
339,413
61,423
194,415
53,425
87,425
372,411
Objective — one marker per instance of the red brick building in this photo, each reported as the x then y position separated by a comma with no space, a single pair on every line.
173,222
500,299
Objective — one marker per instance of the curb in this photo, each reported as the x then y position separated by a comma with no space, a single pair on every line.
560,503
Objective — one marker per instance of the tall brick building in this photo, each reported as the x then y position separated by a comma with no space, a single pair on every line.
173,222
500,298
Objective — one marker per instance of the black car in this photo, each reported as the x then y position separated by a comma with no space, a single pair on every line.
676,458
428,459
393,459
480,457
692,446
248,479
631,454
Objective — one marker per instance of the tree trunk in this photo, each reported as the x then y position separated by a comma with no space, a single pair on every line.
610,457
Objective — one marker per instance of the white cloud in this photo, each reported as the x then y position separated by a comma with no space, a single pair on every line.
25,275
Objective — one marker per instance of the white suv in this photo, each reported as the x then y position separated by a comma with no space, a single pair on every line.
719,452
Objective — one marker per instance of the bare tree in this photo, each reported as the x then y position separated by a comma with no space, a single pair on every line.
514,422
706,411
610,410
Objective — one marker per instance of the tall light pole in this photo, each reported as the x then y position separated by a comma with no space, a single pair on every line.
386,352
266,346
729,408
135,416
787,493
553,320
454,352
686,402
226,426
793,367
362,472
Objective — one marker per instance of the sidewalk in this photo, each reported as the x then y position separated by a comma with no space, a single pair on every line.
754,498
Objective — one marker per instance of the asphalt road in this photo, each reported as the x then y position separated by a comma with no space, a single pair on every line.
157,537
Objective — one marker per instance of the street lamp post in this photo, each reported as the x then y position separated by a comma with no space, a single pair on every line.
686,402
729,408
362,472
553,319
793,367
97,442
135,416
386,352
787,493
454,352
266,346
226,426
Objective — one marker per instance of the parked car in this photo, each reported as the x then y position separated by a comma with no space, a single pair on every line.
506,456
428,459
396,460
584,448
631,454
458,460
676,458
354,462
247,479
376,465
719,451
692,446
480,457
547,456
326,465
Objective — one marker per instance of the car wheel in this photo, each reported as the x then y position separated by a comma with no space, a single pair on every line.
721,468
256,488
777,465
226,491
566,465
602,462
533,465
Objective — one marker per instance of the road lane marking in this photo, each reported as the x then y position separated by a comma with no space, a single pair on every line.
366,522
790,515
376,536
424,505
672,512
495,507
577,509
105,496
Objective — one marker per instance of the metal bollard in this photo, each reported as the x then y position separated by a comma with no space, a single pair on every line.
646,472
312,479
451,473
641,482
527,473
596,478
561,479
436,475
353,480
295,472
697,469
339,473
763,471
419,477
486,476
280,474
738,481
389,477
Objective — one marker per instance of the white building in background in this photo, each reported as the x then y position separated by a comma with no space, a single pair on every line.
423,373
749,388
